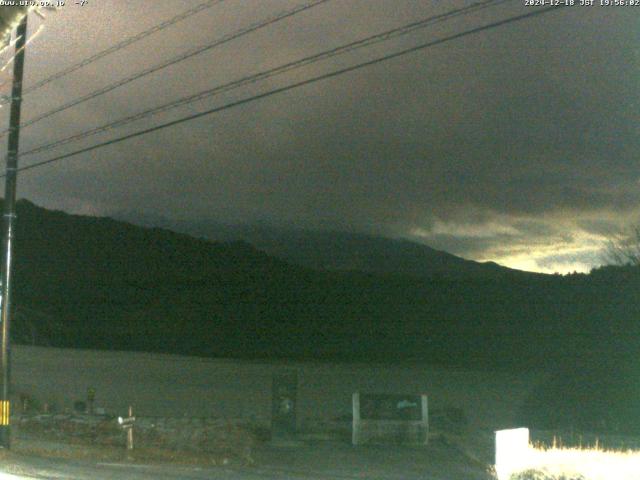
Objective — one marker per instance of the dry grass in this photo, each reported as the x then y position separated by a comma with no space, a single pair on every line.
594,463
101,453
93,438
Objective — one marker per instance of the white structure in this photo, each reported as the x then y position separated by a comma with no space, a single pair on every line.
512,451
400,418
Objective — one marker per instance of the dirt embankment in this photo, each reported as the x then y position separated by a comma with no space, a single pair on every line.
204,440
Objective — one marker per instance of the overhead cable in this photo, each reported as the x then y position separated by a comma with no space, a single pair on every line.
362,43
114,48
292,86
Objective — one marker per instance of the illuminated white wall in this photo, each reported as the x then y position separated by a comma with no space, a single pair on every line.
512,451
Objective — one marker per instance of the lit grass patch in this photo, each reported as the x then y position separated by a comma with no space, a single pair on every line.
578,464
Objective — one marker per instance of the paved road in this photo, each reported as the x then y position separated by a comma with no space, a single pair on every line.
309,462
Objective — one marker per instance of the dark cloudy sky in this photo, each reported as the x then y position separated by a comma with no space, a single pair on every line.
518,145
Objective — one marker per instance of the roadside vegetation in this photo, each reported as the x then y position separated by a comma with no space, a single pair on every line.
577,463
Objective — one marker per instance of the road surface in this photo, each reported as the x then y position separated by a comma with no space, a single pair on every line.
308,462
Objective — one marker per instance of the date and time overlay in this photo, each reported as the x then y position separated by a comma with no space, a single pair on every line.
582,3
43,3
527,3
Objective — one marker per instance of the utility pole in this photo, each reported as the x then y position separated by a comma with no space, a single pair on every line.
9,217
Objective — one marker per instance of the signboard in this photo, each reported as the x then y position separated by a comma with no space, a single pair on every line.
390,407
389,418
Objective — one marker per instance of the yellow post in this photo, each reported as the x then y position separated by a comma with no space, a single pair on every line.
5,411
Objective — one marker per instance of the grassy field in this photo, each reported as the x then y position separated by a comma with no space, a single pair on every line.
178,386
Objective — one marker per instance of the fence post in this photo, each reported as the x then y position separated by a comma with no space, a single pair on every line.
130,431
355,434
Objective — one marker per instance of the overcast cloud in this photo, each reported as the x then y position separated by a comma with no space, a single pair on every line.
517,145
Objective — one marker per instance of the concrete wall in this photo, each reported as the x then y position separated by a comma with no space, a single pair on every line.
175,386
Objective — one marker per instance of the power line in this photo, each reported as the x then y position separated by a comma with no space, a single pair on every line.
292,86
365,42
118,46
179,58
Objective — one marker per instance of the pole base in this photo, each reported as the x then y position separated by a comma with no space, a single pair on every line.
5,436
